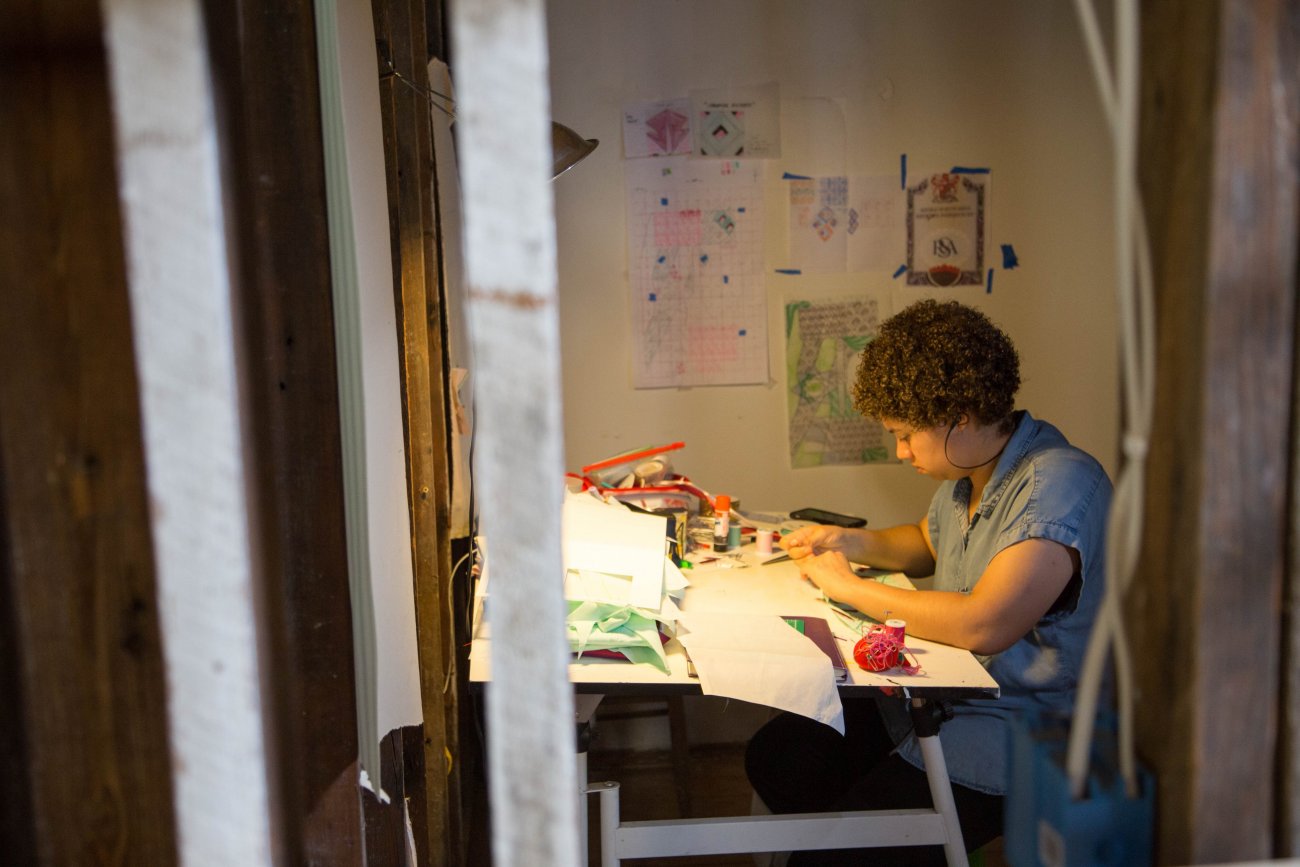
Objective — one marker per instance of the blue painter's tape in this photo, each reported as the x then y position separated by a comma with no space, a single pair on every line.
704,257
742,210
742,332
788,271
1009,259
653,297
902,172
901,270
967,170
989,288
791,177
662,259
663,201
726,278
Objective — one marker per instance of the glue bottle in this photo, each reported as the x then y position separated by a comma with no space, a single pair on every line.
721,521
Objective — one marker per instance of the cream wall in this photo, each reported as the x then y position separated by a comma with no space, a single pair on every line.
1003,85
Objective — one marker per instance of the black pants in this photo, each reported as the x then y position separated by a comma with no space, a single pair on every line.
797,765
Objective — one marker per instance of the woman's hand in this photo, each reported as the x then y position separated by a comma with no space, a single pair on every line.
832,573
809,541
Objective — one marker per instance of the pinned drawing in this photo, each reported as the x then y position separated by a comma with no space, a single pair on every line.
695,247
658,128
823,342
740,122
845,224
946,230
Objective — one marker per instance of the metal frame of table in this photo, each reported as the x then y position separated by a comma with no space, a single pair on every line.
747,587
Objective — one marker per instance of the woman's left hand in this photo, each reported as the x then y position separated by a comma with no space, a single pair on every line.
831,572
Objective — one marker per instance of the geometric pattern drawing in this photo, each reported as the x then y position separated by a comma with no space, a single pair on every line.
833,191
824,224
667,130
657,128
823,342
677,228
722,134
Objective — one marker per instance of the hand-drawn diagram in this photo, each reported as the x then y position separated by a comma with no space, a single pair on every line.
741,122
945,230
695,248
840,224
659,128
823,342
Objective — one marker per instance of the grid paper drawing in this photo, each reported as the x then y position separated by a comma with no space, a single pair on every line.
695,236
823,342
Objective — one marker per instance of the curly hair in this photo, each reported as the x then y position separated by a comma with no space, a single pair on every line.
934,361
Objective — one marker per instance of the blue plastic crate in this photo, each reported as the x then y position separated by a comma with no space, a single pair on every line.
1045,827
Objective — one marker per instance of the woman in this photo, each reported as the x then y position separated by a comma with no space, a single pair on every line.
1014,538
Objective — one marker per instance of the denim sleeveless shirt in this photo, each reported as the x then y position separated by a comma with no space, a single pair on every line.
1042,488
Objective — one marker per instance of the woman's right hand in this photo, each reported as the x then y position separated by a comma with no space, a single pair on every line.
810,541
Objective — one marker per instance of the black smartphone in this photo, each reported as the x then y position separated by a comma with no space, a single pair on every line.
821,516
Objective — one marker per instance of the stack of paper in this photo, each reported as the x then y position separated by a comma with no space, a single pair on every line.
619,582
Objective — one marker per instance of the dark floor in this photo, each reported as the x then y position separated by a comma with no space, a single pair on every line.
718,788
647,791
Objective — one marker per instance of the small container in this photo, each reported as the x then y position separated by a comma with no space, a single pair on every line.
722,523
764,541
733,537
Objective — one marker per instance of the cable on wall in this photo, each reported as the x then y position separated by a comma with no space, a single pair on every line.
1136,309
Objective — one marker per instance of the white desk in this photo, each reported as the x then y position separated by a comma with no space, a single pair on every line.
946,673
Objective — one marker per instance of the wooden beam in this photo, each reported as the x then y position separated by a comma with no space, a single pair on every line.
1219,178
83,728
400,31
265,58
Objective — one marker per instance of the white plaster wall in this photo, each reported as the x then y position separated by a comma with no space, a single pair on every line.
1003,85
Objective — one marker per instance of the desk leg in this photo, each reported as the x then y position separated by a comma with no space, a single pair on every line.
584,707
582,802
936,772
609,822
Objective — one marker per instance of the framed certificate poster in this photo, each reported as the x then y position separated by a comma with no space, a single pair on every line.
945,230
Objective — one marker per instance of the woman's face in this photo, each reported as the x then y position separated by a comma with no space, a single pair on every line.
923,449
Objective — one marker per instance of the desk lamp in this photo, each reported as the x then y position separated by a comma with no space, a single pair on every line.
568,149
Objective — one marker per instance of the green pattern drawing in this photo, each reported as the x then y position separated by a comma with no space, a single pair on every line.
823,342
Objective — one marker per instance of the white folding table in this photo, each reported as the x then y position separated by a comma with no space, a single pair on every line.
746,587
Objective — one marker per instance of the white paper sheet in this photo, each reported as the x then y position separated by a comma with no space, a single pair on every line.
600,537
760,659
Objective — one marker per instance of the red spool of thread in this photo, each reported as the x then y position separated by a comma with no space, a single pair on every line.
897,628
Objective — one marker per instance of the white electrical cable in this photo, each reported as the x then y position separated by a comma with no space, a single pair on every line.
1136,310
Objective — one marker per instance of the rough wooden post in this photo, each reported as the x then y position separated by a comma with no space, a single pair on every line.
83,724
177,268
1218,171
503,133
